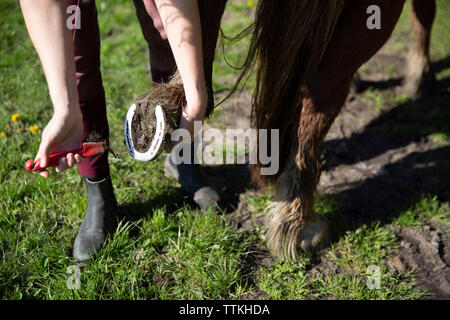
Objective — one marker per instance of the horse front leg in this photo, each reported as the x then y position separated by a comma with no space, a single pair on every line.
419,75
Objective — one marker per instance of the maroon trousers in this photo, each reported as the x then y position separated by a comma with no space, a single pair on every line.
89,78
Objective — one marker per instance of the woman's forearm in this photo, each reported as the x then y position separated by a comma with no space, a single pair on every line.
181,22
46,24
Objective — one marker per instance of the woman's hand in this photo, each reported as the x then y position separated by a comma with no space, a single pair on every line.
154,14
46,24
195,109
62,133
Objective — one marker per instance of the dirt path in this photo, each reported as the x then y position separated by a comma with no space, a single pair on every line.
381,155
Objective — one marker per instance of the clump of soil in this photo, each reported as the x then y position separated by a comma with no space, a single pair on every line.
171,97
426,251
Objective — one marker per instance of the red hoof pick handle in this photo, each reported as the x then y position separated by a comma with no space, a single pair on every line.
88,149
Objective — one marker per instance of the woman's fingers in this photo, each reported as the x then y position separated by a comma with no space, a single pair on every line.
78,159
44,149
62,165
68,162
188,124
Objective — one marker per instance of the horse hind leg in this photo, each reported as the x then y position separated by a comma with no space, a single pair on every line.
419,75
291,223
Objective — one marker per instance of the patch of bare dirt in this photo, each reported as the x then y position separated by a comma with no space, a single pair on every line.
426,251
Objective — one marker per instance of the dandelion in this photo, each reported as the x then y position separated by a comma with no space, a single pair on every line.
2,134
15,116
250,4
34,129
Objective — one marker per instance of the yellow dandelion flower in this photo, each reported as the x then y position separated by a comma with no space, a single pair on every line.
15,116
34,129
250,4
2,134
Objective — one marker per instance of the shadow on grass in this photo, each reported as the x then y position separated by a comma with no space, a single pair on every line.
401,183
384,197
230,181
171,200
412,121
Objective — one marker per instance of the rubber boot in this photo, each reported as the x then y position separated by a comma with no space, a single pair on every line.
191,179
99,221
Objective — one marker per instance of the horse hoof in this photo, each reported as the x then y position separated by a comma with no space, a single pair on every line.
314,235
286,236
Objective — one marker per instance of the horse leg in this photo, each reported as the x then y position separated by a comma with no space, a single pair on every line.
292,223
419,75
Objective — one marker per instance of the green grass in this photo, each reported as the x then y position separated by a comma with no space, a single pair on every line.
165,248
288,280
377,98
285,280
425,208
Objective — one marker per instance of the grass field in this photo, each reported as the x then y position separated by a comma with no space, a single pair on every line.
164,248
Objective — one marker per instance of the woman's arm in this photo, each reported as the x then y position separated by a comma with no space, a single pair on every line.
46,24
181,20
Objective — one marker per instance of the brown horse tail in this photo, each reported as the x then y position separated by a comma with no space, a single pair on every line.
289,38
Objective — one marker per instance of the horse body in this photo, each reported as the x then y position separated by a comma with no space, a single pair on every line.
317,97
307,52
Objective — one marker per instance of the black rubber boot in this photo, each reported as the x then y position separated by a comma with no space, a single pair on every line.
192,181
99,221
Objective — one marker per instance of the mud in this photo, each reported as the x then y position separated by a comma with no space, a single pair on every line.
426,251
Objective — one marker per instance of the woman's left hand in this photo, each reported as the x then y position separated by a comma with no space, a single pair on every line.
150,6
194,110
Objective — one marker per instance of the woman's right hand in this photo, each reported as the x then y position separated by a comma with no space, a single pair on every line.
62,133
